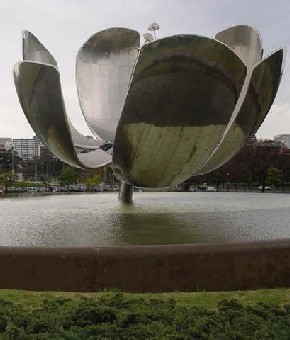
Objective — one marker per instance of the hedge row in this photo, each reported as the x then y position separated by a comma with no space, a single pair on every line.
118,317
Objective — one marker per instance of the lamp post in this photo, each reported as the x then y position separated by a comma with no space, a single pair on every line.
228,182
12,160
153,27
35,169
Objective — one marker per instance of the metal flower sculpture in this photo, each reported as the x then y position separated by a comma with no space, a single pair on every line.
176,107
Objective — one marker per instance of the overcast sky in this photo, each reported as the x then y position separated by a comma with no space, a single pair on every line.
64,25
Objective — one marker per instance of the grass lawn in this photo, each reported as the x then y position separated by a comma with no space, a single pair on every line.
207,300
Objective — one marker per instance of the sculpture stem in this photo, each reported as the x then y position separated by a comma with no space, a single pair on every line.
126,193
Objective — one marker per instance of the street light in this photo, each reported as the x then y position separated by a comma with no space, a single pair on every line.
12,160
153,27
148,37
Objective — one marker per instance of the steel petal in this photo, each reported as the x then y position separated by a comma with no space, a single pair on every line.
181,98
261,93
34,50
39,91
103,70
245,41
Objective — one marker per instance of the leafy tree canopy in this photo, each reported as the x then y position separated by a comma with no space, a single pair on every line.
9,160
7,179
68,176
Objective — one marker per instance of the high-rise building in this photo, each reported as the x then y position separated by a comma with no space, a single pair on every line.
285,139
45,153
27,149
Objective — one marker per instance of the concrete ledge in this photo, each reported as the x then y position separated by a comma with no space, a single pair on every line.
190,267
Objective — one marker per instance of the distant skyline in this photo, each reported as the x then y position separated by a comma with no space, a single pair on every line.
64,25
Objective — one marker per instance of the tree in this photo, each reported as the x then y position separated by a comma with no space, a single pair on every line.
274,176
92,181
7,179
250,166
9,160
67,177
259,157
46,180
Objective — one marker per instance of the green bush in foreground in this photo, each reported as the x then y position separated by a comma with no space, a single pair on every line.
118,316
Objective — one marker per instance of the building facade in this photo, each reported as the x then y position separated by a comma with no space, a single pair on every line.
285,139
27,149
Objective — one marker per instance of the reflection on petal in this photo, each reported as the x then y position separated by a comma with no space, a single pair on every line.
177,109
268,81
245,41
104,67
39,92
262,90
34,50
95,159
82,142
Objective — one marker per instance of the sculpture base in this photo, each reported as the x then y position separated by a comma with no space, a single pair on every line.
126,193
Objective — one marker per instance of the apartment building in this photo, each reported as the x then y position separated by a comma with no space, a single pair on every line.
285,139
27,149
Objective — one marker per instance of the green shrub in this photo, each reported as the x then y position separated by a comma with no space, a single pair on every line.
118,316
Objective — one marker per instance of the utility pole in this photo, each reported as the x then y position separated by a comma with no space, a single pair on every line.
12,160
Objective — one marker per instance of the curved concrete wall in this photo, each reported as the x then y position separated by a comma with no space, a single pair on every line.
210,267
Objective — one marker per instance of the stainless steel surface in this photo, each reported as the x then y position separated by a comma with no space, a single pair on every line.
95,159
104,67
192,101
177,109
82,142
268,80
260,95
39,92
253,103
126,193
245,41
33,50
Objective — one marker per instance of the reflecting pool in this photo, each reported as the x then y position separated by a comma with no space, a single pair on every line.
99,219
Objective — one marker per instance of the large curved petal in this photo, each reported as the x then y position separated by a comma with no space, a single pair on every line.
273,68
39,92
262,90
103,70
181,98
245,41
34,50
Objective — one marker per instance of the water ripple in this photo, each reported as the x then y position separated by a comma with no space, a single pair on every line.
99,219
